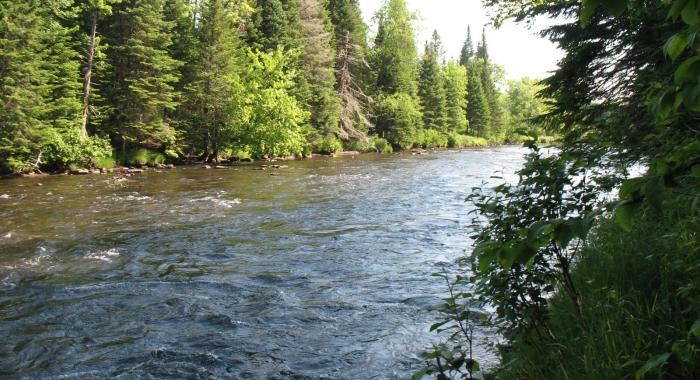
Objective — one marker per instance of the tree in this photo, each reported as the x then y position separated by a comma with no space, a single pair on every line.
275,23
354,102
91,10
479,109
467,52
395,56
489,74
213,95
524,104
317,62
143,74
456,90
431,86
273,122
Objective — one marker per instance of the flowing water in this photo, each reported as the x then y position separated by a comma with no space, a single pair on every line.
319,270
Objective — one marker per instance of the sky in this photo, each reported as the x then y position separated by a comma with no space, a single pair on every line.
519,49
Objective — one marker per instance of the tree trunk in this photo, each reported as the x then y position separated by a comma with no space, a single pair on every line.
88,75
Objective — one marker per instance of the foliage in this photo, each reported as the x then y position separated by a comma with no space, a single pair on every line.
381,145
455,140
140,157
430,138
62,151
456,92
272,121
524,106
398,119
479,110
394,56
431,86
328,144
143,74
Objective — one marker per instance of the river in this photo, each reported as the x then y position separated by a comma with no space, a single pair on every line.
319,270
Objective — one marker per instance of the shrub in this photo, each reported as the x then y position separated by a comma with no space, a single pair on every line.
455,140
430,138
328,144
70,149
381,145
359,145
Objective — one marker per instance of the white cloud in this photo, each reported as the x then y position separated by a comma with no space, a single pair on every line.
520,50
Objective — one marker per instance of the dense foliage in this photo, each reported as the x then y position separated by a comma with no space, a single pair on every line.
87,81
592,269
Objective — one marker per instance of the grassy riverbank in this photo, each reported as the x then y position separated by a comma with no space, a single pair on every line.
639,306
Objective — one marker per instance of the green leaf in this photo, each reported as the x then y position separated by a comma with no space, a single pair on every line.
676,8
691,97
651,365
631,186
688,71
473,366
625,213
689,14
676,45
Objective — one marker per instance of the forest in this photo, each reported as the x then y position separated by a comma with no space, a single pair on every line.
94,83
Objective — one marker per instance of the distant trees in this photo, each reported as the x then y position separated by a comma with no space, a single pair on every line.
85,80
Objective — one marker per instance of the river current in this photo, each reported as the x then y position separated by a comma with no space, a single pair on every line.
321,270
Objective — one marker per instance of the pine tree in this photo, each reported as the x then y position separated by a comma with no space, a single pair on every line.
22,82
92,12
467,52
431,86
214,92
275,23
317,64
143,74
394,59
456,91
346,17
488,83
479,110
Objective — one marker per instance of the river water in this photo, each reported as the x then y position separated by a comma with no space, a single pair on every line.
319,270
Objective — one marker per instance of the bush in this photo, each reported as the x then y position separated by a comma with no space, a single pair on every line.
140,156
381,145
455,140
359,145
70,149
328,144
430,138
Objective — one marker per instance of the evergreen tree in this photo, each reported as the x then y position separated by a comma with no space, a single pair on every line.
91,13
488,82
214,92
22,83
394,59
467,52
431,86
143,74
479,109
456,91
275,23
317,64
346,17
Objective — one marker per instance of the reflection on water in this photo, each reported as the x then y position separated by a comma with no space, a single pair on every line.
320,270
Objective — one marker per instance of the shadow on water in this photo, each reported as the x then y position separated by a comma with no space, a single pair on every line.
321,270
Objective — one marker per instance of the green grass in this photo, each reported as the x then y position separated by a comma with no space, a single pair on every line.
640,293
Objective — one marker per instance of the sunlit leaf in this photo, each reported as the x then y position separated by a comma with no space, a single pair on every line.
676,45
